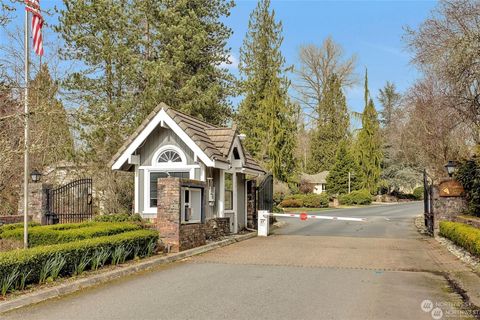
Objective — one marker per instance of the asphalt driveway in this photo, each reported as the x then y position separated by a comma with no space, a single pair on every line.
379,269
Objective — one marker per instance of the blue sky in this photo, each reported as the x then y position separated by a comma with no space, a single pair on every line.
372,30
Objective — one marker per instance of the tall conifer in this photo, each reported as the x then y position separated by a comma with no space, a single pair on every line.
369,145
266,114
332,127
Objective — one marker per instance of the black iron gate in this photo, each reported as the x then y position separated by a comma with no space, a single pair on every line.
265,194
427,202
70,203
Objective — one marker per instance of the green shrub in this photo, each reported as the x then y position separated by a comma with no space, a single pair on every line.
310,200
12,226
291,203
123,217
463,235
47,235
359,197
33,260
468,174
313,200
418,193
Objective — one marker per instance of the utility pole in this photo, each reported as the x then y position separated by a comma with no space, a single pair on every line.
26,140
349,181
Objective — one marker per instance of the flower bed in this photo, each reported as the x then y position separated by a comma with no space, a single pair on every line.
62,233
463,235
20,267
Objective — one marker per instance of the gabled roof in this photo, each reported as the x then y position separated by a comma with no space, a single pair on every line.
215,142
317,178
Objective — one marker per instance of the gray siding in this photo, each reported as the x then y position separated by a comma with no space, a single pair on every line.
158,138
141,179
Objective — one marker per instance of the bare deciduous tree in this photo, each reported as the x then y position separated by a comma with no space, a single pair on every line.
317,65
431,133
448,45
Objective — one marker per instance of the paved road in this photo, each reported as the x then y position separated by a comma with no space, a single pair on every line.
381,269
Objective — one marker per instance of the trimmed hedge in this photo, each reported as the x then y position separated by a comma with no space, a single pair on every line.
122,217
418,193
359,197
463,235
54,234
26,266
12,226
310,200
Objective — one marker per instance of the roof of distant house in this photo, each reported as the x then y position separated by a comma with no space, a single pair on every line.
318,178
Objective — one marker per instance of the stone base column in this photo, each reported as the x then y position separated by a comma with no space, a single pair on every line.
37,201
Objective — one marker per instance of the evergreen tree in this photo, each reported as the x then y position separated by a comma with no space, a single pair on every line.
140,53
266,113
369,145
390,100
185,46
51,140
332,127
132,55
345,163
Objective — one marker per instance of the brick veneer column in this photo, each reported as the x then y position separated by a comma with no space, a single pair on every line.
168,212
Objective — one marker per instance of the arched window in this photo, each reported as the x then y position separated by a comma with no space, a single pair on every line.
169,156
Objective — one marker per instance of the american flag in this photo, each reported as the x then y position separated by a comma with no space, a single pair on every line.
37,22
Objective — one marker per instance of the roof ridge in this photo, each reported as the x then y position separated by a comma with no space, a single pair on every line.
190,117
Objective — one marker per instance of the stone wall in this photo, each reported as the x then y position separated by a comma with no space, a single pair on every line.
192,236
217,228
37,201
175,235
446,208
251,204
473,221
17,218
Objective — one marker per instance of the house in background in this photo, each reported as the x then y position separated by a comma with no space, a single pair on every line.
172,144
318,181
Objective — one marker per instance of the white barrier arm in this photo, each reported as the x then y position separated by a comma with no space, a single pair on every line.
304,216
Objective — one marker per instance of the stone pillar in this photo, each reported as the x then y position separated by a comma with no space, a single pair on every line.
37,201
445,207
251,204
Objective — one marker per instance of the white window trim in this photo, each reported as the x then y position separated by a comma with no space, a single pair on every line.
161,116
146,183
157,154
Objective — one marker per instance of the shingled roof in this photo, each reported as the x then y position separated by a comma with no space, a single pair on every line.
214,141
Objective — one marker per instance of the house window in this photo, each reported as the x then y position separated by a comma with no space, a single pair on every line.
228,191
169,156
154,176
236,155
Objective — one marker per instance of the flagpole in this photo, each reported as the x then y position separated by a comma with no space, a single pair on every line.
26,140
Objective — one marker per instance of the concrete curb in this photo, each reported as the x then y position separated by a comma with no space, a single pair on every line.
67,288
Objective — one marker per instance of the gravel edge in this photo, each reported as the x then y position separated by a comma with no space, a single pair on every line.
457,251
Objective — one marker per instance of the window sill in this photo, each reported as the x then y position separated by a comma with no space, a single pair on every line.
192,222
